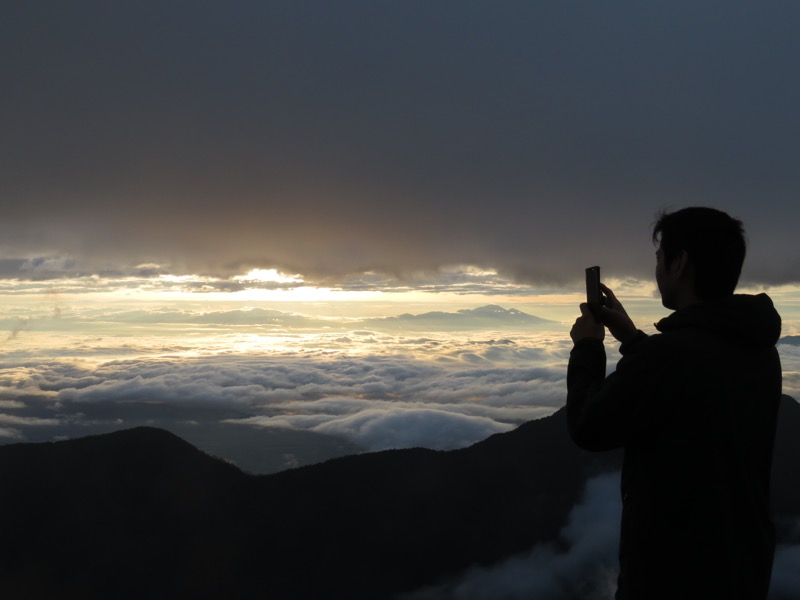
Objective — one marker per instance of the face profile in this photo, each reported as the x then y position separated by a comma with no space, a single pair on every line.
665,280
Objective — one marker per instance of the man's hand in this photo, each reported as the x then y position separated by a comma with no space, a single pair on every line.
615,318
586,327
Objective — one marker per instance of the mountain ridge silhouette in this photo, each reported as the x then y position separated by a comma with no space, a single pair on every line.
142,513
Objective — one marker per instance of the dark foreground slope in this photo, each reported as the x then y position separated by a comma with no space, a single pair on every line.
141,513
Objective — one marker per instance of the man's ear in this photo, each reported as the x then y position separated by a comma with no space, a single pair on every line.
683,266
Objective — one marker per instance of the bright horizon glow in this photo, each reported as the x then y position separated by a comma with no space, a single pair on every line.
268,275
444,291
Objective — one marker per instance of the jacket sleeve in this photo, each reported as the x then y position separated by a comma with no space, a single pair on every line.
603,413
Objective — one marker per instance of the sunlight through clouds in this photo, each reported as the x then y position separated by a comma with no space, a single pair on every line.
268,275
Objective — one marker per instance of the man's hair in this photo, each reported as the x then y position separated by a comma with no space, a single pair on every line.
714,241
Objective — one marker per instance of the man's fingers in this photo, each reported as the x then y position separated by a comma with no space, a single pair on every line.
586,326
612,299
586,313
609,316
607,291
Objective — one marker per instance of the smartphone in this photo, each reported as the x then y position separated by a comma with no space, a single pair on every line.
594,298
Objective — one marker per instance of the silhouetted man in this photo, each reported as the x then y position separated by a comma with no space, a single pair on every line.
695,408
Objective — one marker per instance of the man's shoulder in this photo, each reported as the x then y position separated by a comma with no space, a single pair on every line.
658,341
749,322
671,350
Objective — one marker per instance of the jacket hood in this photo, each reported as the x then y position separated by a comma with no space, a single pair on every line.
746,319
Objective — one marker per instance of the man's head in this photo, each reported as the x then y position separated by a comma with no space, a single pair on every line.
701,252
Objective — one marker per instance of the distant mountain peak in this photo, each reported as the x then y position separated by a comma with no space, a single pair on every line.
488,309
492,310
497,312
491,316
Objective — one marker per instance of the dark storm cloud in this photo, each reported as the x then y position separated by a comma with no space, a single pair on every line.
336,138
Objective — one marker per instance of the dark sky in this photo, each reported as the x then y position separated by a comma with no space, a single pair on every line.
328,138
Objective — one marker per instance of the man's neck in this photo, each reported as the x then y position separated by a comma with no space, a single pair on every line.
686,298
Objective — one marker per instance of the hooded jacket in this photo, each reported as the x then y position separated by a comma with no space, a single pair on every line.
695,409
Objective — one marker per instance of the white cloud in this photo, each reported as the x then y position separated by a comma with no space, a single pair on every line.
376,429
11,434
403,392
582,567
11,404
26,421
785,583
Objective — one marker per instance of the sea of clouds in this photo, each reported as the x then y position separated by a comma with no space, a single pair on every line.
374,390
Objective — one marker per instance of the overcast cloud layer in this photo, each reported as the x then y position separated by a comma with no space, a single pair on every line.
333,138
